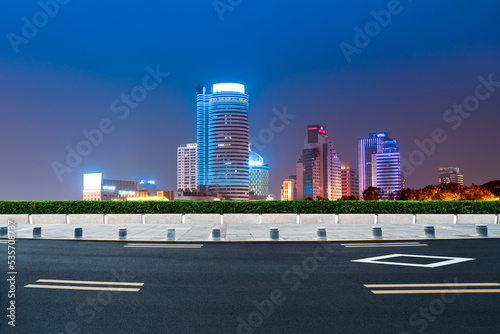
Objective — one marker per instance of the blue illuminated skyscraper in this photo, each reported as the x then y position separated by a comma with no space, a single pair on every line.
222,138
379,165
202,112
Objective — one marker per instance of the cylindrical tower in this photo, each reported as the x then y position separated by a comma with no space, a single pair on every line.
228,170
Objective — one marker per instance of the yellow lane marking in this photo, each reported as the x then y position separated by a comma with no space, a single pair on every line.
91,288
87,282
404,292
381,245
164,246
428,285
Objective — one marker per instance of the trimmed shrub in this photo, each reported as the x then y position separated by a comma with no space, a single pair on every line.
76,207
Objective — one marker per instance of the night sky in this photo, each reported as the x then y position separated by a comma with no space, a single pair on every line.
64,77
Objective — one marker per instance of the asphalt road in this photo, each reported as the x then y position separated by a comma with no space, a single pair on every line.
281,287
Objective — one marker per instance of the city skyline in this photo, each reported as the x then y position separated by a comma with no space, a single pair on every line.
118,98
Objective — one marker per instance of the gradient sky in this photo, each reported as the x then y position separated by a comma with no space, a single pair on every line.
66,75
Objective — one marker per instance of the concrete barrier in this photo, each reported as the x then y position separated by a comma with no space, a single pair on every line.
48,219
388,218
18,219
210,218
476,219
82,219
353,218
163,218
318,219
124,219
251,219
279,218
241,218
435,219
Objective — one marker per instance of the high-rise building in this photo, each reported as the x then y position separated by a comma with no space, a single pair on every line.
202,117
222,138
350,185
187,167
379,165
450,175
258,175
319,167
289,189
95,188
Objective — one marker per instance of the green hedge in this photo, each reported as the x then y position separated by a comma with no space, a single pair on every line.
67,207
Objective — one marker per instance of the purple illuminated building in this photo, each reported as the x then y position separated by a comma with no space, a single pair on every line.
379,165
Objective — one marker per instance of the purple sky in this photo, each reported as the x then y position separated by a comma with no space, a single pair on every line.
62,78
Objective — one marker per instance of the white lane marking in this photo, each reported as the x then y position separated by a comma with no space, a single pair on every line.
179,246
87,282
404,292
427,285
447,260
376,246
88,288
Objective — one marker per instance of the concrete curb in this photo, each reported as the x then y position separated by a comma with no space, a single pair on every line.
256,241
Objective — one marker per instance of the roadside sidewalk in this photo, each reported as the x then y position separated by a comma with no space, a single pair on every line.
251,232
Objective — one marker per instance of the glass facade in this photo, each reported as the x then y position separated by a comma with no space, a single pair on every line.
319,167
222,124
259,175
379,165
202,114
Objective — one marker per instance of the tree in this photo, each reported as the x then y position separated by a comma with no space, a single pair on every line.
372,194
349,198
404,194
